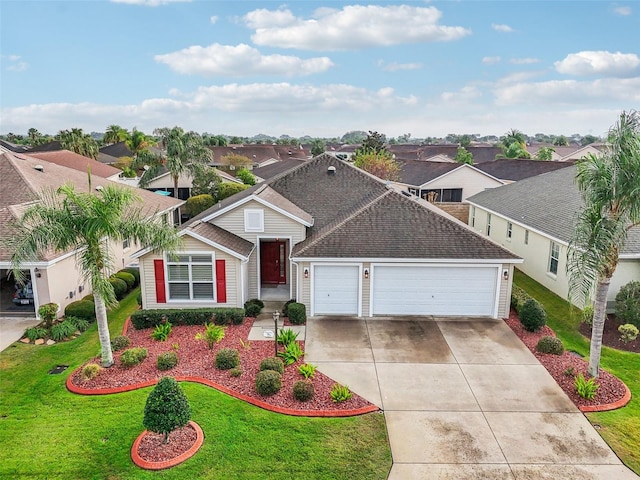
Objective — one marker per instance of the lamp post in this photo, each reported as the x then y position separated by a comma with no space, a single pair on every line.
276,316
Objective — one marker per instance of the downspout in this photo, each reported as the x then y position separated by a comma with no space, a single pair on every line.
296,297
242,264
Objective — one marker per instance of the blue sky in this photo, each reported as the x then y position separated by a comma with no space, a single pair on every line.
319,68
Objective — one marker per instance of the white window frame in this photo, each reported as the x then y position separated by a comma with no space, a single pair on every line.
553,248
169,262
258,215
509,231
126,244
488,224
473,216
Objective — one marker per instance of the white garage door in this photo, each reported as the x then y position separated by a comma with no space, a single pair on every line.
335,289
457,291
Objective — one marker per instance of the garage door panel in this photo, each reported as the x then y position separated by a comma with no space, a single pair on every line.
404,290
336,290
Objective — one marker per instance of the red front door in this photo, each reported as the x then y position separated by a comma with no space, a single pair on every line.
273,262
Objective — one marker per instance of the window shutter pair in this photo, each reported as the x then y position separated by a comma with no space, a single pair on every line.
221,281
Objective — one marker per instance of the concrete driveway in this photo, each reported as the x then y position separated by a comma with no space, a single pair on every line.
12,329
463,399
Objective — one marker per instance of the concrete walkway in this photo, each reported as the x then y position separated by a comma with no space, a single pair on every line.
12,329
463,399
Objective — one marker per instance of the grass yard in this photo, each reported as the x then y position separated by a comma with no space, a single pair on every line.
620,428
47,432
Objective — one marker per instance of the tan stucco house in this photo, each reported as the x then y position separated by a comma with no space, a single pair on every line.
338,240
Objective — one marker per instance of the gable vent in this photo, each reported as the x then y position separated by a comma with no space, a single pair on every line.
40,168
331,170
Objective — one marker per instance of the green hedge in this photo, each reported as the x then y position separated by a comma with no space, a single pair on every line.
195,316
82,309
297,313
135,271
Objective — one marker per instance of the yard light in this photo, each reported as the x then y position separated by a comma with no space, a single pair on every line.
276,316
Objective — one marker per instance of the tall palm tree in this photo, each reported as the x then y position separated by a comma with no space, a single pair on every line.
78,141
138,142
115,134
65,220
610,188
185,153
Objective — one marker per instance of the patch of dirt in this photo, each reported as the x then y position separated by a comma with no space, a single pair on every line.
563,368
611,336
196,359
153,449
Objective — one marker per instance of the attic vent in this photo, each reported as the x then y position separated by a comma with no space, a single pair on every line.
331,170
40,168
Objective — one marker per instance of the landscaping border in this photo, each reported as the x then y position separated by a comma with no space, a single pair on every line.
609,406
167,463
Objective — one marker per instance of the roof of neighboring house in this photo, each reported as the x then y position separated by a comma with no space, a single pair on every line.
117,150
259,153
12,147
73,160
418,172
516,169
222,237
23,183
51,146
548,203
274,169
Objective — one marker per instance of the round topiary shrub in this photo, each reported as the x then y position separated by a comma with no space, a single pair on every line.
285,307
297,313
90,371
235,372
532,315
252,309
129,279
119,287
133,356
120,342
272,363
166,361
227,358
548,344
303,390
82,309
268,382
628,304
167,408
135,271
89,298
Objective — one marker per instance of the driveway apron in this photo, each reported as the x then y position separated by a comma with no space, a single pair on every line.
463,399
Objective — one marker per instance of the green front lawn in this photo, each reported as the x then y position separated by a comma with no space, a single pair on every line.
620,428
47,432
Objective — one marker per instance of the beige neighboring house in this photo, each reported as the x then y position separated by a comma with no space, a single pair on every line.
534,219
338,240
568,153
54,277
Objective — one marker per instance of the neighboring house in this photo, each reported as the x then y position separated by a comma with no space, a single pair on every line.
515,169
78,162
55,276
568,153
277,168
259,154
164,183
338,240
534,218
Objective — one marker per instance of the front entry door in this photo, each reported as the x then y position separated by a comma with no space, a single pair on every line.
273,262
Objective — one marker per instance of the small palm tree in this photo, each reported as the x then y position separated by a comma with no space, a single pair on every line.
610,188
115,134
65,220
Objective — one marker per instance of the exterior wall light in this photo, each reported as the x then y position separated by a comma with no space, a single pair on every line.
505,274
306,273
366,273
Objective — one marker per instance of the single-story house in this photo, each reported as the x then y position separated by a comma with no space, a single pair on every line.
55,276
67,158
510,170
338,240
534,218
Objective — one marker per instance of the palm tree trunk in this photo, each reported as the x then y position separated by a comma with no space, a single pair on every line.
597,328
103,330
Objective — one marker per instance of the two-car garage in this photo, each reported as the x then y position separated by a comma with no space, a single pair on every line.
405,289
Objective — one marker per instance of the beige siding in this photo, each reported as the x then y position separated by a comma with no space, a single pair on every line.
366,290
305,286
471,181
166,181
504,301
232,270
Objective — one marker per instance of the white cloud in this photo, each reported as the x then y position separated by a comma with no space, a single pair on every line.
239,61
465,94
491,60
149,3
352,27
15,64
502,28
213,19
524,61
396,67
599,63
622,11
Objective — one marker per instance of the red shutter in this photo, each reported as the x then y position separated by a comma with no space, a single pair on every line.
161,296
221,282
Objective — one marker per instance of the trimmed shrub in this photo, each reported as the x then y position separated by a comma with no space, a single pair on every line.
532,315
129,279
628,332
235,372
82,309
167,360
246,176
303,390
253,307
228,189
257,301
268,382
119,287
48,313
167,408
518,297
272,363
548,344
120,342
139,298
227,358
297,313
133,356
285,307
628,304
90,371
196,316
198,204
89,298
135,271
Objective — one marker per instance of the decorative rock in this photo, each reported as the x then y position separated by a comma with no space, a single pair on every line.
39,341
50,342
25,340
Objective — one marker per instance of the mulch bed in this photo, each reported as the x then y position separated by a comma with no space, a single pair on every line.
153,449
611,336
197,360
563,368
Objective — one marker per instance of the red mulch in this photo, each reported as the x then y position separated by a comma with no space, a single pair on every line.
153,449
559,366
611,335
195,359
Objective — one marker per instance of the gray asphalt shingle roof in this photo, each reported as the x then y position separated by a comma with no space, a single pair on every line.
222,237
516,169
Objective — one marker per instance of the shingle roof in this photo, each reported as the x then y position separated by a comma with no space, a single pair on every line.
269,171
73,160
515,169
548,202
418,172
117,150
222,237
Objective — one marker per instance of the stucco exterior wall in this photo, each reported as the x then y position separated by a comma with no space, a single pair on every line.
470,180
